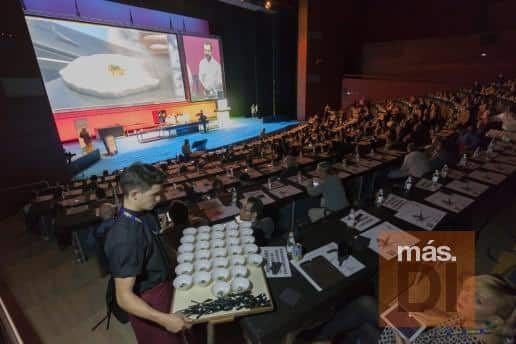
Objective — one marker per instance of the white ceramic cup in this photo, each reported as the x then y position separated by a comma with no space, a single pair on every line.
187,239
184,248
184,269
251,248
232,250
203,265
202,278
237,260
220,274
220,262
203,254
240,284
220,289
219,252
255,259
239,271
183,282
185,258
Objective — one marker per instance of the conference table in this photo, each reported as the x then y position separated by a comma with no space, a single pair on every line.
281,325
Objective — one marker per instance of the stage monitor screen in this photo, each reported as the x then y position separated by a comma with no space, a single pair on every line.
204,67
88,66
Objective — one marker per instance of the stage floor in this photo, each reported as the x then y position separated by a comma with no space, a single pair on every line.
130,150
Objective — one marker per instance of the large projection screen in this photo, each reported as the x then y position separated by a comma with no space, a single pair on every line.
205,69
87,66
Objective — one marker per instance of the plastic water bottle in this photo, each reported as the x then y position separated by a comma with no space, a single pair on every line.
291,242
344,162
269,184
464,160
435,178
357,157
299,178
476,153
379,197
115,196
234,197
444,171
408,184
352,215
491,147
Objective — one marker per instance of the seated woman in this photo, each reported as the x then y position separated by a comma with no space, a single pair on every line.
489,316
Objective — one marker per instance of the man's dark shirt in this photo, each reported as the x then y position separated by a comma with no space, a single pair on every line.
133,250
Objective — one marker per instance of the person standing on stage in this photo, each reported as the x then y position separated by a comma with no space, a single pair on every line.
185,149
210,72
88,141
204,121
138,261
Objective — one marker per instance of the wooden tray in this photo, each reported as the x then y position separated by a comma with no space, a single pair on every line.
183,298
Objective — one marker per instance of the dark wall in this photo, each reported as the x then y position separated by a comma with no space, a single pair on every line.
334,48
255,45
30,147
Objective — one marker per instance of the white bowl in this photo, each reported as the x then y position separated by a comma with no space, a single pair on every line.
202,278
237,260
240,284
220,262
203,236
232,233
218,228
218,243
233,242
231,225
202,245
204,229
202,254
248,239
251,248
255,259
219,252
203,265
220,274
184,248
189,231
187,239
185,258
245,224
218,235
239,271
232,250
184,269
220,289
246,231
183,282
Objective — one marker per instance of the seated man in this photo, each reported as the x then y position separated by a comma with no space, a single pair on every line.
333,194
415,164
252,210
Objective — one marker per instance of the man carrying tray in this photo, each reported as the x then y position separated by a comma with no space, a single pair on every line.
138,261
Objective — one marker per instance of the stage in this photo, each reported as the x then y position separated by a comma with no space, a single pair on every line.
130,150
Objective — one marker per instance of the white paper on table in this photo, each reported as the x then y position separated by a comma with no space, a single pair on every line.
506,159
500,168
366,220
455,174
276,254
452,202
467,187
487,177
392,238
427,184
348,267
420,215
394,202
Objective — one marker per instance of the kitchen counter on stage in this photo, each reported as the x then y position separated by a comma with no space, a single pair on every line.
165,131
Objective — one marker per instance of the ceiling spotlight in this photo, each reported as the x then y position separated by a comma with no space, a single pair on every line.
268,5
483,54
